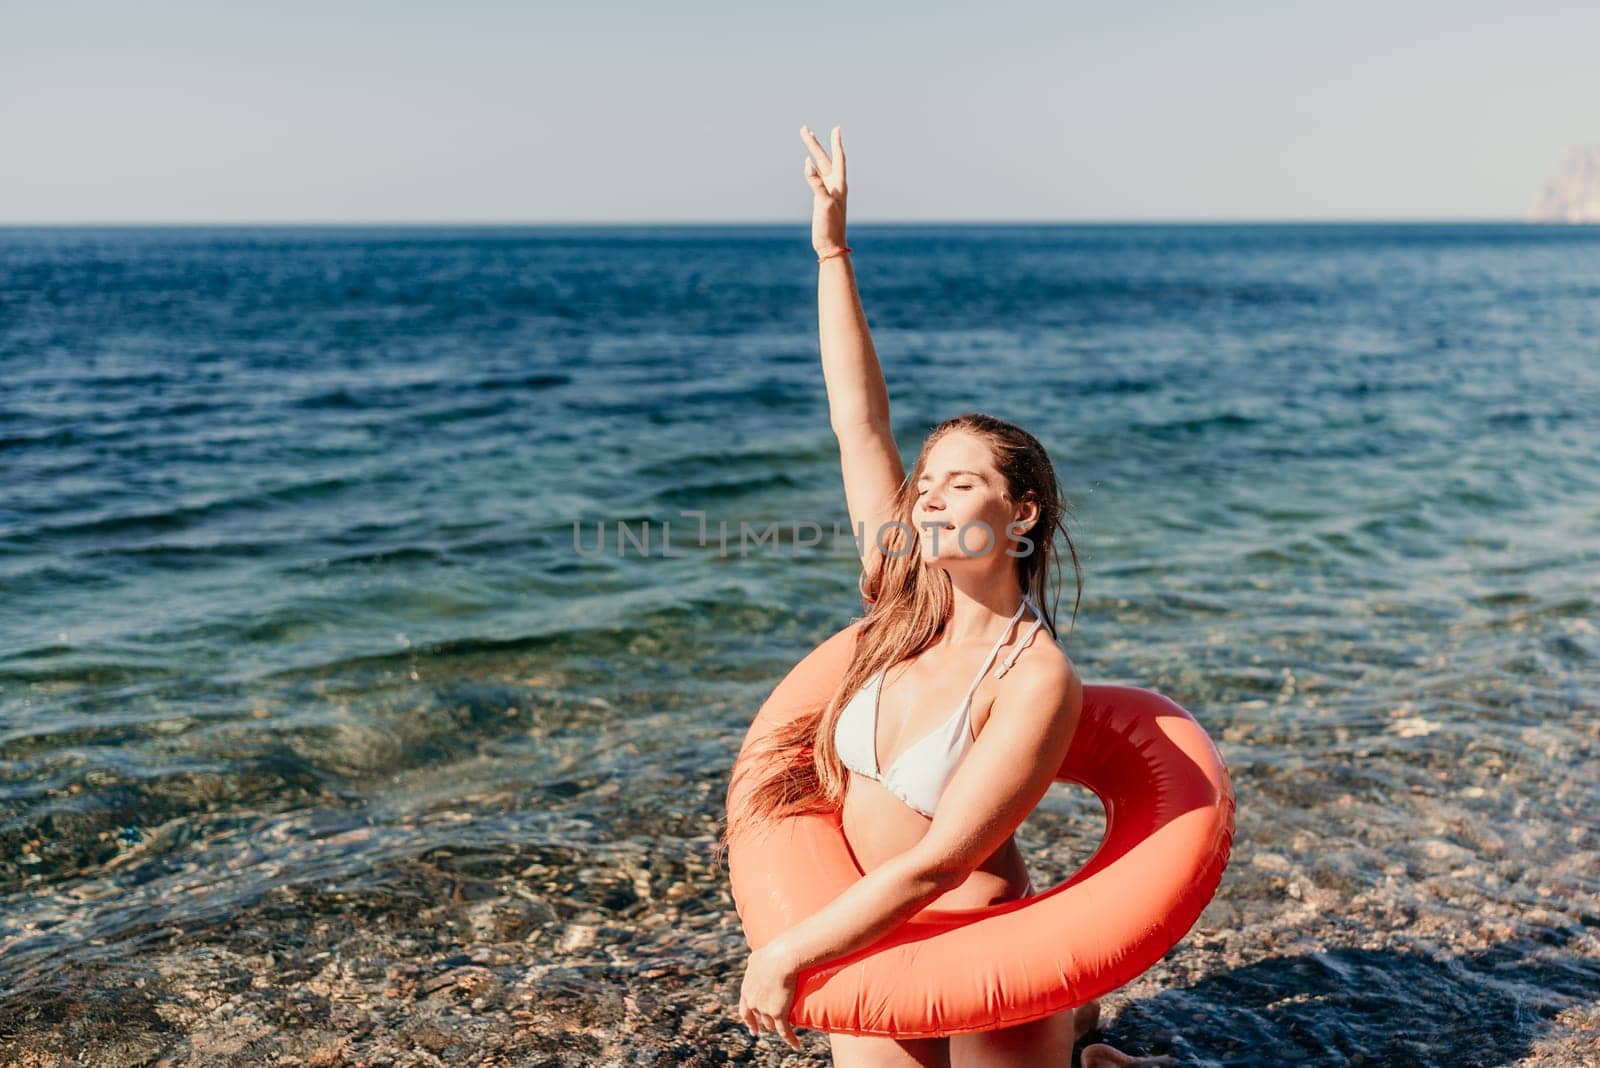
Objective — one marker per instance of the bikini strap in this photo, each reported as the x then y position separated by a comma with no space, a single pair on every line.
994,652
1023,644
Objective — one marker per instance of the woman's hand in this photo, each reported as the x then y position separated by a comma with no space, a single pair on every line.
767,994
826,178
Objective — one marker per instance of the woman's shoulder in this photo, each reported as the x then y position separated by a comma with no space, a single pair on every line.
1043,653
1041,666
1042,662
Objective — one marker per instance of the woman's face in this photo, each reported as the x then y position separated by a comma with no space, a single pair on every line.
963,507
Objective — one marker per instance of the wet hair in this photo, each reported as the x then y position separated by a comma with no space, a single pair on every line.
908,606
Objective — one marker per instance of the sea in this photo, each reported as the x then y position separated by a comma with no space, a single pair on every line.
381,610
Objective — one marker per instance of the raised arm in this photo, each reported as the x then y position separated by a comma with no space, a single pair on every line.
858,398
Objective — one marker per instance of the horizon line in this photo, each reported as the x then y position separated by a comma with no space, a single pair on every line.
799,224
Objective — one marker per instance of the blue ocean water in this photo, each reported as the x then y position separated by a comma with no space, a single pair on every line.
304,647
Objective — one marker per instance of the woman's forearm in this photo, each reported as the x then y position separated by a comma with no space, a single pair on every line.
873,906
856,390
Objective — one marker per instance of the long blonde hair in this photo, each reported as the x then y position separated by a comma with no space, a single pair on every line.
909,604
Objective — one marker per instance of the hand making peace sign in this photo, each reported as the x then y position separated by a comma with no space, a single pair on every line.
825,176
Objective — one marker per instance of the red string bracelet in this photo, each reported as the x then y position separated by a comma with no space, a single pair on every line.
836,252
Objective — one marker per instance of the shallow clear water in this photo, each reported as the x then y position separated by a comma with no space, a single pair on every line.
317,725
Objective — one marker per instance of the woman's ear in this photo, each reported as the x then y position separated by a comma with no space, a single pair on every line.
1026,513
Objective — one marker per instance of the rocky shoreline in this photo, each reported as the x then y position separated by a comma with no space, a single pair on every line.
536,957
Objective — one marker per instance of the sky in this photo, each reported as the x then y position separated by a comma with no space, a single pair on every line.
357,112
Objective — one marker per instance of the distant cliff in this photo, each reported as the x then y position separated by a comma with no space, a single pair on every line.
1573,193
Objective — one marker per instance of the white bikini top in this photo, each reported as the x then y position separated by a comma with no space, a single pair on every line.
920,774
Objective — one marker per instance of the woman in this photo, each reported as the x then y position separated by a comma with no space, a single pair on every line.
954,570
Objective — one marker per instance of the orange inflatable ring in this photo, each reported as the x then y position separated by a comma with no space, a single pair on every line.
1169,827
